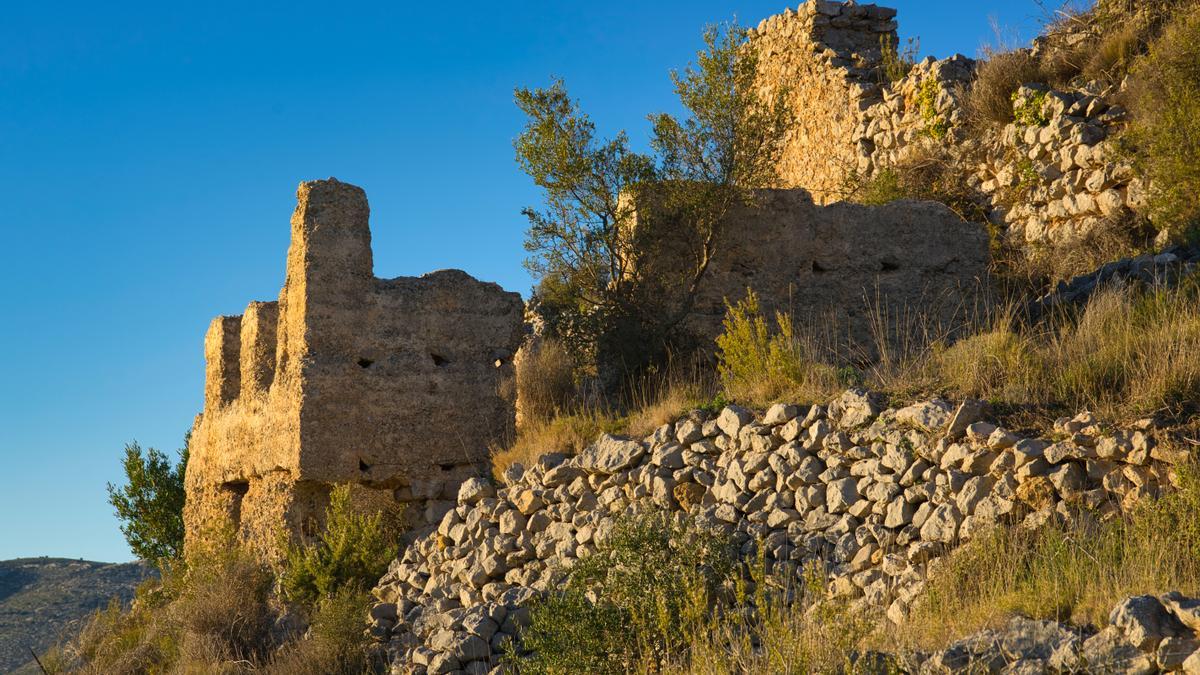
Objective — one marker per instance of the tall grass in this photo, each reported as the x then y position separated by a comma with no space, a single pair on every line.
1127,353
1074,574
647,402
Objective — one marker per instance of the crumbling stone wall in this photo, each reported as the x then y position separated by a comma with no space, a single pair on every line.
825,55
836,265
392,385
1052,177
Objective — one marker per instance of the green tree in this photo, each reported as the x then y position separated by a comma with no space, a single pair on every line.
624,238
150,504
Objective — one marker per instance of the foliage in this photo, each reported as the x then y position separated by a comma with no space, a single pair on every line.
1166,129
897,62
936,125
1065,572
337,641
635,600
800,631
989,100
208,614
150,504
1030,112
602,288
927,172
757,363
353,550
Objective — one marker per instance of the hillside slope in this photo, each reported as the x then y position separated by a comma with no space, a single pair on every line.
39,597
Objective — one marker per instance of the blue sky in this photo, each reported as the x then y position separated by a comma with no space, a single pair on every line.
149,155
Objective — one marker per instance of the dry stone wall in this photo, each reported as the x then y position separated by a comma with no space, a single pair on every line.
877,495
347,379
1052,177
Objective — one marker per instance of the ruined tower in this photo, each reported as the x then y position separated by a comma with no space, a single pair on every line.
347,379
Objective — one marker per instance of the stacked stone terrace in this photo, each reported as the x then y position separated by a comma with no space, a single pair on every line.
876,495
347,379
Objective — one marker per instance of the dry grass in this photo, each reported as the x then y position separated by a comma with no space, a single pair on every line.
989,101
1064,573
930,171
647,404
208,616
1128,353
545,375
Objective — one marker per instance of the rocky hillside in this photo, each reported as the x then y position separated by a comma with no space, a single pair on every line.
41,597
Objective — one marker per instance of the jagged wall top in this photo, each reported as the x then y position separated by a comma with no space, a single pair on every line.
826,56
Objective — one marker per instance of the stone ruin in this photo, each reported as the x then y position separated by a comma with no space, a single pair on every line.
1054,176
836,268
395,386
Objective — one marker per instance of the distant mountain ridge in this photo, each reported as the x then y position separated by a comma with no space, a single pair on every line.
40,597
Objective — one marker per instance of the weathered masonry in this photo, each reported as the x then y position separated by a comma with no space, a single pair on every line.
347,379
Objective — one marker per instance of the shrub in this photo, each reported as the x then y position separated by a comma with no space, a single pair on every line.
352,551
545,381
927,172
150,504
1166,128
989,100
897,62
337,641
806,633
206,615
757,363
651,580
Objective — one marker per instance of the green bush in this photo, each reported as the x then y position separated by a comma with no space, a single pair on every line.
353,550
758,363
1166,129
337,640
150,504
635,601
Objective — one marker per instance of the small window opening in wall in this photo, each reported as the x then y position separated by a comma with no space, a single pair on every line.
438,360
365,363
237,492
446,466
817,269
888,266
363,466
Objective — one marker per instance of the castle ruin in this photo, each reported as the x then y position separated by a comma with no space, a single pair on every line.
348,379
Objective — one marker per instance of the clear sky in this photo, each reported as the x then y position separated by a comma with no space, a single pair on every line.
149,156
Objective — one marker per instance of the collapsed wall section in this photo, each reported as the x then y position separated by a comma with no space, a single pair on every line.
347,379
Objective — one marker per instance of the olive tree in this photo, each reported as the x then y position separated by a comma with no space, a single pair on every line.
624,238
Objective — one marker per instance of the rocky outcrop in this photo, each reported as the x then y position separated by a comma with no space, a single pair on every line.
877,495
347,379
